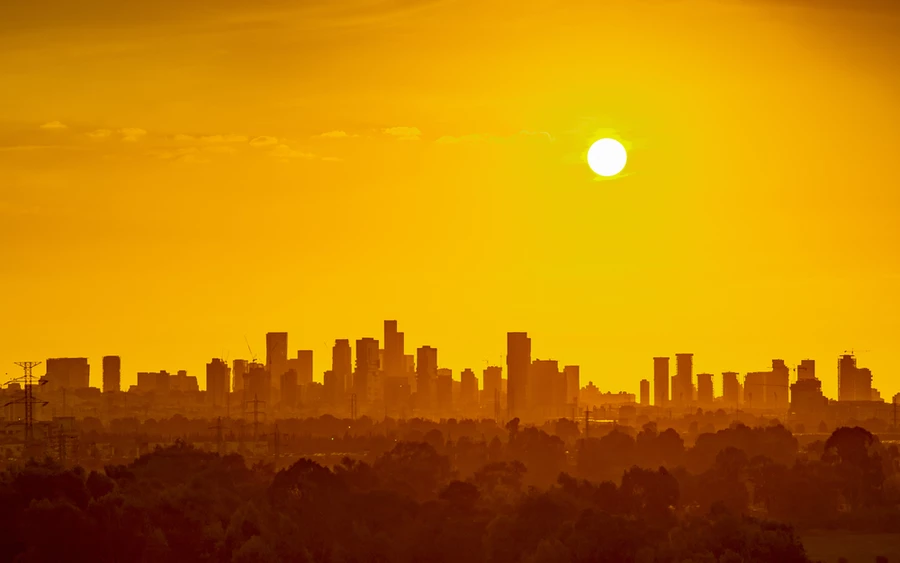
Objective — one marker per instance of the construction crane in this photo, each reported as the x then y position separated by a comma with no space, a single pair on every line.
252,355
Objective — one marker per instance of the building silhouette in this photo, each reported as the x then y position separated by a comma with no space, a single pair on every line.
303,365
661,381
112,374
276,353
468,390
518,364
365,377
342,363
731,389
67,373
806,370
705,389
218,382
573,383
645,392
854,383
683,383
426,374
289,388
238,372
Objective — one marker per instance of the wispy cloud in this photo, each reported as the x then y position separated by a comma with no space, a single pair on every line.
284,152
403,133
479,138
335,135
263,141
54,125
99,134
131,134
223,139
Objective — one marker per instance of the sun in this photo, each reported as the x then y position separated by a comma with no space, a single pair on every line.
607,157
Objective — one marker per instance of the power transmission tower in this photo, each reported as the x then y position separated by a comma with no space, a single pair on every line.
27,399
256,412
220,442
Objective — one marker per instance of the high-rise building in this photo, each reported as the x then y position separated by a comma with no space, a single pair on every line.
183,382
333,387
303,365
342,364
807,400
492,386
218,383
289,388
806,370
645,392
544,388
755,389
518,364
854,383
257,385
365,378
778,384
683,390
731,389
67,373
393,349
238,371
276,353
468,389
444,392
112,374
426,373
705,389
660,381
573,383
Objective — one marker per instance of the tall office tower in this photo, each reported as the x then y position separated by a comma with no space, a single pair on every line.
276,352
238,370
393,349
705,389
731,389
468,389
683,392
573,383
492,384
543,377
426,373
218,382
778,384
755,389
518,363
112,374
854,383
364,378
342,364
257,385
444,392
645,392
806,370
303,365
333,388
660,381
409,369
67,373
289,388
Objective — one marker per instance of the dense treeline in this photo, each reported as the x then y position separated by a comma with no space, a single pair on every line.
736,495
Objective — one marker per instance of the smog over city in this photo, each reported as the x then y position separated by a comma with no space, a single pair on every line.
378,281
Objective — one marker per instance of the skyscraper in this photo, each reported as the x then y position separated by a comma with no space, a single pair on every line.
303,365
778,386
218,380
276,352
518,363
645,392
468,389
492,384
683,392
239,369
731,389
289,387
806,370
705,389
112,374
444,392
393,349
660,381
365,378
573,383
67,373
426,373
342,364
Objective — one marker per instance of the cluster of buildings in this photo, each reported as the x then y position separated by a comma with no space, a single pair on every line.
769,391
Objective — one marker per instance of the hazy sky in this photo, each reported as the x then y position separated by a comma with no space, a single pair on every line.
177,175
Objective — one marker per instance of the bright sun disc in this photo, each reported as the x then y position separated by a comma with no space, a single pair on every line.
607,157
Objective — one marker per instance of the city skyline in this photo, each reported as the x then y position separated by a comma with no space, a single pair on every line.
313,368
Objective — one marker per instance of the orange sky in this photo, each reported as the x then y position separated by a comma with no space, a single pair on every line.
177,175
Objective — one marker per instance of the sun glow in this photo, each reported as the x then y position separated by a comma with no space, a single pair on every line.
607,157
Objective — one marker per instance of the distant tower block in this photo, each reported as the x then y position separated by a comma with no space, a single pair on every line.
645,392
661,381
112,374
